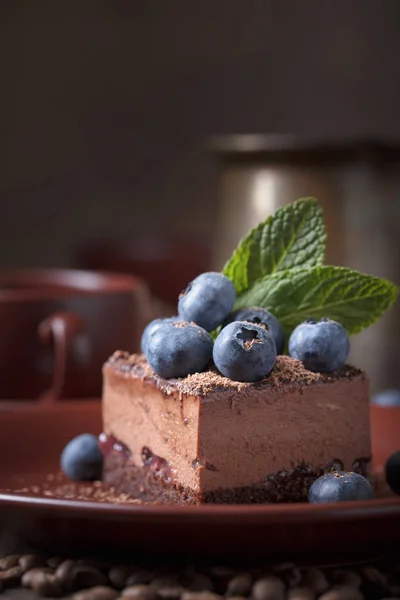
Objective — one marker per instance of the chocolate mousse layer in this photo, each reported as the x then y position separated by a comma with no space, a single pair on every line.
221,440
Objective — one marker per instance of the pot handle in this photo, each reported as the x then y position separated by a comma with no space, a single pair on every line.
60,328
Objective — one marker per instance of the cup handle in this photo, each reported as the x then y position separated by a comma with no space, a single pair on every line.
60,328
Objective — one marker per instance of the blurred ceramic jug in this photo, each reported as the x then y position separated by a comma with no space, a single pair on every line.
358,185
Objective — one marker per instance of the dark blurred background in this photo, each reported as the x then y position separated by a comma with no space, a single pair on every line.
105,105
106,113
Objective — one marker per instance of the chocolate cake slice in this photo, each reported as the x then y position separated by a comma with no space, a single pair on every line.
206,438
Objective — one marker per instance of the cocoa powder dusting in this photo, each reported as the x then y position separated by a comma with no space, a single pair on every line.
286,371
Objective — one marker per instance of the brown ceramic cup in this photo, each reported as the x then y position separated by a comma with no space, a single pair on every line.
57,327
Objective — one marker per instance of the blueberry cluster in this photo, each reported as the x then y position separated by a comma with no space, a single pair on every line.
245,349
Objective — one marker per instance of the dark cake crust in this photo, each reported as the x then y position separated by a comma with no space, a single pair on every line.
153,482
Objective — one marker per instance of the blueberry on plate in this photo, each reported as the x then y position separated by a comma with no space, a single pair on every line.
387,398
244,352
392,472
82,459
207,300
340,486
152,326
262,317
178,349
322,346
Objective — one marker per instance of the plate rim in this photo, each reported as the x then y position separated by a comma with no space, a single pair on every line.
281,513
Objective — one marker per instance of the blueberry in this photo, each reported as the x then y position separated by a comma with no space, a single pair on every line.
340,487
152,326
207,300
178,349
260,316
387,398
392,472
244,352
322,346
82,459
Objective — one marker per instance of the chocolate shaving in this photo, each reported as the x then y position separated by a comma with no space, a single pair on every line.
286,371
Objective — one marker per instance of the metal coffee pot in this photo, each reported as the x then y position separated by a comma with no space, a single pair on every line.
358,185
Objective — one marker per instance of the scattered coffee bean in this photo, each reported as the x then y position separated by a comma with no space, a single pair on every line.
31,561
237,598
301,593
44,583
28,577
292,577
240,585
200,582
118,576
269,588
170,592
141,576
64,573
86,577
200,596
10,577
140,592
375,576
54,561
342,593
316,580
347,578
100,592
9,561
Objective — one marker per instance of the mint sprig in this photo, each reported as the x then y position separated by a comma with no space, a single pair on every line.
293,236
353,299
279,266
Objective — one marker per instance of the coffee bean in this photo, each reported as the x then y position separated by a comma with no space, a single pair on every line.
140,592
269,588
54,561
31,561
347,578
28,577
9,561
292,577
141,576
100,592
342,593
64,573
44,583
170,592
200,596
316,580
11,577
301,593
240,585
375,576
86,577
118,576
200,583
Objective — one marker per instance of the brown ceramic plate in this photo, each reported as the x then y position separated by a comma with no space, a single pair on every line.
30,444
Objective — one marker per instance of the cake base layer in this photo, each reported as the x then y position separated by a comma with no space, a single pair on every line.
153,481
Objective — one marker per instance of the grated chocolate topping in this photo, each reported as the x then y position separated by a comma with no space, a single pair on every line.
286,371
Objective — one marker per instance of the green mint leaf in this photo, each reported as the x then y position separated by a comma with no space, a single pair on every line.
294,236
352,298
